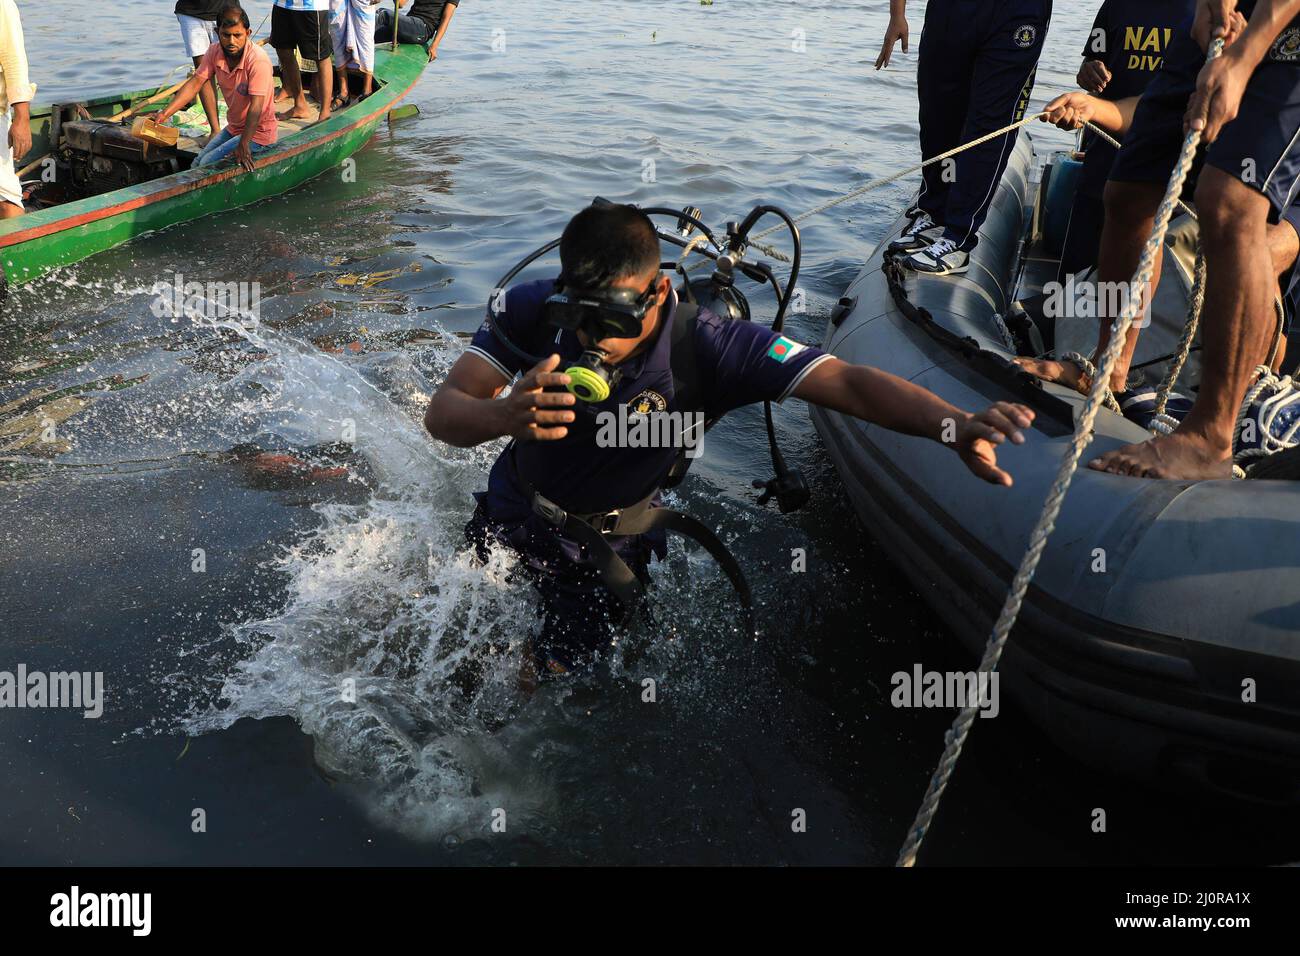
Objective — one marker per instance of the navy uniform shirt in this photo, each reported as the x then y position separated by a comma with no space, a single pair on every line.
738,363
1130,37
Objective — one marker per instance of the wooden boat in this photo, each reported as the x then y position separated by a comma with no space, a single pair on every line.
76,217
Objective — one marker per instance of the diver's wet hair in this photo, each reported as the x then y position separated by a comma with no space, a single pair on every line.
603,244
231,14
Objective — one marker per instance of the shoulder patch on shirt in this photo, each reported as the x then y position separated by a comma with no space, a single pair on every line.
784,348
1026,35
1287,46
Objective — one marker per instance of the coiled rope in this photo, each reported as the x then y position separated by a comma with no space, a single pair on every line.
955,738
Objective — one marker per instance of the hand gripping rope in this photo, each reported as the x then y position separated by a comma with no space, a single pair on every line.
955,738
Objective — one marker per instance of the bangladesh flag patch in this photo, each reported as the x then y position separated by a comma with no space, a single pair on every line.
783,349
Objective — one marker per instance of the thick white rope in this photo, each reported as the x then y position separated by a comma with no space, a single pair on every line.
1284,389
956,736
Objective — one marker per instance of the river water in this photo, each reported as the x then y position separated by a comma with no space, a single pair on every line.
226,605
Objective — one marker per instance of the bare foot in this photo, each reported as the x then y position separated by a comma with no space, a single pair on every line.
1062,373
298,112
1182,455
281,96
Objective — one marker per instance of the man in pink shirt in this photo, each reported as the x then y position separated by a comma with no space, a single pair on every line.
243,71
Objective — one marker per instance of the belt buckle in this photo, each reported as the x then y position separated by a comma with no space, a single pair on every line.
549,510
609,521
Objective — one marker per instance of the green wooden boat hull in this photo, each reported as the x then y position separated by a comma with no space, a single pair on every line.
38,242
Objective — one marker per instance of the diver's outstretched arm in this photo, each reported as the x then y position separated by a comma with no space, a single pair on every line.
894,403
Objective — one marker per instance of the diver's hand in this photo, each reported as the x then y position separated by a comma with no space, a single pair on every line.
897,30
1093,76
1219,89
978,437
535,415
1070,110
1214,19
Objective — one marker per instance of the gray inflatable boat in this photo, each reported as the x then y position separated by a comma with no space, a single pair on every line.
1161,635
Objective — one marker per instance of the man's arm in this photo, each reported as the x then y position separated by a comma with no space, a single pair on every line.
1222,83
891,402
1094,75
20,131
897,30
1072,110
244,151
447,13
183,98
18,87
466,410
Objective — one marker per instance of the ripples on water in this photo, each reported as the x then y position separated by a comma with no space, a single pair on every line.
362,577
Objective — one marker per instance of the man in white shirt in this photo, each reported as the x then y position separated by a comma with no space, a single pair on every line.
16,92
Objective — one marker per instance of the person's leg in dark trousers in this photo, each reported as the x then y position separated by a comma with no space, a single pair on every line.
944,65
1003,81
409,29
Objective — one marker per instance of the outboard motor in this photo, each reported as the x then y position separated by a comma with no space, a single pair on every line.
103,156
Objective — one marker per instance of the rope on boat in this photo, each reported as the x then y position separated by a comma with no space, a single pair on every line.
877,183
1270,443
1184,346
955,738
1085,365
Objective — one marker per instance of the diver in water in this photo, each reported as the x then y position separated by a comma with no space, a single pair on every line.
974,74
575,496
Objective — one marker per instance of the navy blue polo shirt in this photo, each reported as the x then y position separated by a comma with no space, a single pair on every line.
738,363
1130,37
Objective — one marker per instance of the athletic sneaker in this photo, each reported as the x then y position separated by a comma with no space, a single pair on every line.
1139,407
940,258
917,236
